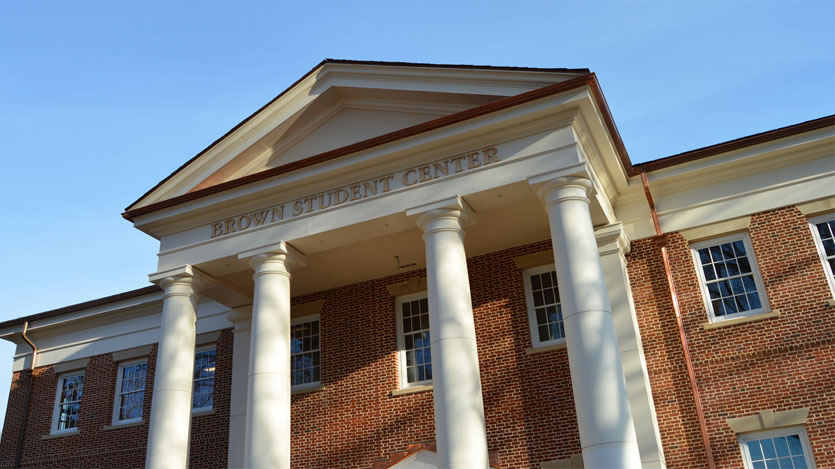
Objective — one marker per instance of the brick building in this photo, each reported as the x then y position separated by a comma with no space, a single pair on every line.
318,305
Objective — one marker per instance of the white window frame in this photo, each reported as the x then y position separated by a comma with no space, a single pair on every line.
830,276
744,438
117,398
202,348
532,323
302,320
56,408
401,339
755,270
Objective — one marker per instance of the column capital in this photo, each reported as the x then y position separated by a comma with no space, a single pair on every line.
451,214
612,238
185,275
559,189
280,252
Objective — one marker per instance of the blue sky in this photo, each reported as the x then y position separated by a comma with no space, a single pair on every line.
101,100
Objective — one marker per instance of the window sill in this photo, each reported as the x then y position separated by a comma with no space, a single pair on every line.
545,348
59,435
123,425
411,390
295,392
730,322
830,303
203,413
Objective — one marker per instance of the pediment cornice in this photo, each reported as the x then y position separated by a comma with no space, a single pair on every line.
331,74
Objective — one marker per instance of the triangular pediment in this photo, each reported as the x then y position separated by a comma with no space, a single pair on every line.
340,103
338,118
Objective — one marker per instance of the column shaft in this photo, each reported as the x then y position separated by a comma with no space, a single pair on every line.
607,433
268,393
460,431
170,421
242,319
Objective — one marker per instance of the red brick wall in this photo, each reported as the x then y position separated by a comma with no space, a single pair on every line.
355,421
95,446
779,364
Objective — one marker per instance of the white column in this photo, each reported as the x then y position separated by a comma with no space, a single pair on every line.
612,243
242,319
607,433
170,421
268,394
460,431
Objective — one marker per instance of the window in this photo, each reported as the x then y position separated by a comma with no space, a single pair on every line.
823,229
202,398
783,448
413,340
305,352
730,279
544,310
130,392
68,402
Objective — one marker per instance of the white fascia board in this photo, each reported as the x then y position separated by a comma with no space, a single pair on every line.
439,79
750,180
714,199
84,339
448,139
793,145
105,309
607,155
757,193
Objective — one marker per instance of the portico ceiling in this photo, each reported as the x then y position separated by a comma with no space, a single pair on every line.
507,217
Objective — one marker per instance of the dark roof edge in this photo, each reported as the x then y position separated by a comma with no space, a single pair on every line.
80,306
736,144
347,62
504,103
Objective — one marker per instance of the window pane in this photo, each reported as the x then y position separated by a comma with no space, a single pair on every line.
704,256
781,446
416,340
795,447
754,450
754,301
728,251
547,313
829,247
204,382
305,354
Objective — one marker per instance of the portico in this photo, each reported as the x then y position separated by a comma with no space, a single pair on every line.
541,167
